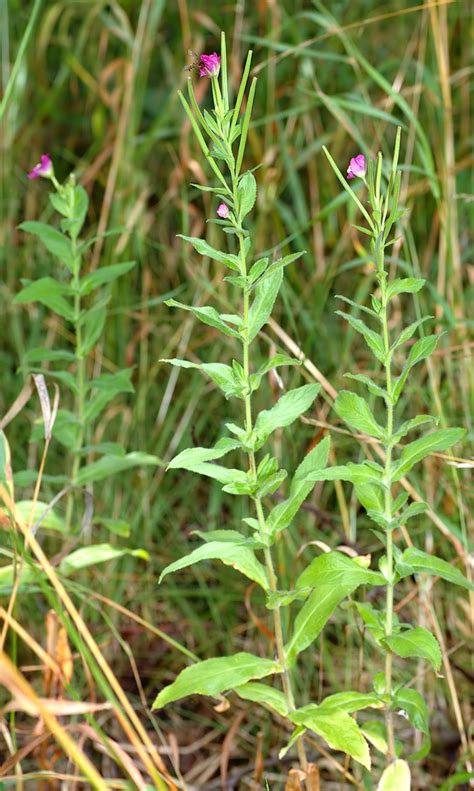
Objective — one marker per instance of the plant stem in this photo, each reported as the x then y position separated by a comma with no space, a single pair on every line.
388,497
272,578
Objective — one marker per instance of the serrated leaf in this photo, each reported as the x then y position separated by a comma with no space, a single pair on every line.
415,451
409,425
266,293
55,242
222,375
97,553
422,563
246,193
287,409
337,728
189,458
49,293
207,315
203,248
335,568
274,362
373,339
283,514
416,642
279,265
314,615
405,285
104,275
356,413
214,676
396,777
111,465
371,386
421,349
354,473
408,332
264,694
241,558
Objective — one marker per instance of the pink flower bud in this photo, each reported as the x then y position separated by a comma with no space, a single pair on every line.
210,65
357,167
44,169
223,210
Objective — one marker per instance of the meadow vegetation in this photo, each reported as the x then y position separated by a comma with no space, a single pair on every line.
98,495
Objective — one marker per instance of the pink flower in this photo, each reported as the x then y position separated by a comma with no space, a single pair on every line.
357,167
210,65
44,169
223,210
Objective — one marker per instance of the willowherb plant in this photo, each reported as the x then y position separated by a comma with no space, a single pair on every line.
79,299
376,483
222,136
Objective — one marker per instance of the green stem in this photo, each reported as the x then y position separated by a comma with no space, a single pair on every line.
388,499
272,578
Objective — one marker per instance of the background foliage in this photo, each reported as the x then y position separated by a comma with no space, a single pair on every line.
95,86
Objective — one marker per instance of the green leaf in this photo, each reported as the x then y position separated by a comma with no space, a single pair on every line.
31,510
40,355
287,409
189,458
417,450
246,193
405,285
111,465
416,642
97,553
262,693
283,514
207,315
78,212
108,386
409,425
106,274
214,676
408,332
351,701
266,293
367,381
279,265
355,473
49,293
232,554
277,598
419,351
337,728
396,777
314,615
356,413
222,375
422,563
415,706
203,248
274,362
56,242
374,732
373,339
335,568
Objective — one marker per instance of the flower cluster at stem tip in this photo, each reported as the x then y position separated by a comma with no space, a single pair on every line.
210,65
357,167
44,169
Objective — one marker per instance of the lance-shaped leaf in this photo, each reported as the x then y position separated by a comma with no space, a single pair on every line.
414,706
408,332
111,465
191,457
417,450
335,568
337,728
203,248
373,339
371,386
278,265
222,375
274,362
314,615
414,560
239,557
104,275
351,701
416,642
419,351
396,777
405,285
287,409
262,693
364,473
409,425
214,676
262,306
207,315
355,411
56,242
49,293
106,387
97,553
283,514
246,193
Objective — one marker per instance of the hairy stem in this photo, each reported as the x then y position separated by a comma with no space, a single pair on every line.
278,629
388,504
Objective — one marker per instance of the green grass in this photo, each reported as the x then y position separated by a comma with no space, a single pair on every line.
95,84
